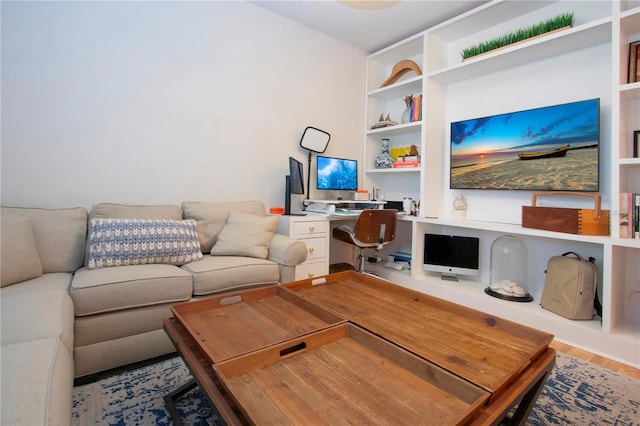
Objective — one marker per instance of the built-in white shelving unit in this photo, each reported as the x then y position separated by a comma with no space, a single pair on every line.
587,61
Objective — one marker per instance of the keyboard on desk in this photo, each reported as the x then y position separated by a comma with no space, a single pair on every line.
348,212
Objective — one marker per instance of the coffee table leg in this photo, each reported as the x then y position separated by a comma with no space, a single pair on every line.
528,401
170,400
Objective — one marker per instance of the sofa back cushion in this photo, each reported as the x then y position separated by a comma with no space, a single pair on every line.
60,235
246,235
135,211
211,217
18,253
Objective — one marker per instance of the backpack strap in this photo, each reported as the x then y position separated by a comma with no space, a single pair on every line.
575,254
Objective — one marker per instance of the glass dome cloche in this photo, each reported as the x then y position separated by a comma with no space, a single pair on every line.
509,270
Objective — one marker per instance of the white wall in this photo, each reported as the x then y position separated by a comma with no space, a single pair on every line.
160,102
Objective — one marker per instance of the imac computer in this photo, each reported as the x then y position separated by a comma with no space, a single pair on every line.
451,255
338,174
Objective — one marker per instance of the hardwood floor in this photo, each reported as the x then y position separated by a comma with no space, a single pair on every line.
597,359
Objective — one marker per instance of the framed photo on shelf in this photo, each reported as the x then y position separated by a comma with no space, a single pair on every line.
636,143
634,62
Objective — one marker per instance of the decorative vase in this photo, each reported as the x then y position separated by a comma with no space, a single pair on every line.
406,116
384,160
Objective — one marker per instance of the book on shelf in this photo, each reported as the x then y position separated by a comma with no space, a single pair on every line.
625,224
416,108
629,215
406,164
636,216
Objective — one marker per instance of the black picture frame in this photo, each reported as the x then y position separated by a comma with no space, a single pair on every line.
636,143
634,62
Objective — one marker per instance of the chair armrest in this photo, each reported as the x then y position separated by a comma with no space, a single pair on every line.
287,251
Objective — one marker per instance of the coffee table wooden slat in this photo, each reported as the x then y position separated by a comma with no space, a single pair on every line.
231,325
349,371
486,350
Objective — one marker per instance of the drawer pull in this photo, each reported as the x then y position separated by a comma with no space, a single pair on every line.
311,249
310,274
312,228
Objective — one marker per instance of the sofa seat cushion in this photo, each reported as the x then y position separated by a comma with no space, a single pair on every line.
37,383
214,274
33,316
125,287
60,281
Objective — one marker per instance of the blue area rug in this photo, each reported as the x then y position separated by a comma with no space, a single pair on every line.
577,393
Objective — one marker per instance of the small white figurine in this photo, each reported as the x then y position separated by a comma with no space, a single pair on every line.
460,207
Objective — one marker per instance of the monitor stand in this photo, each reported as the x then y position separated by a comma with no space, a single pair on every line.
449,277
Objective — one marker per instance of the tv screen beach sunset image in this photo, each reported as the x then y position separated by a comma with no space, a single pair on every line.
544,149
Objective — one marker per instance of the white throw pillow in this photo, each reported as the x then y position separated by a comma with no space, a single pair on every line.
18,254
246,235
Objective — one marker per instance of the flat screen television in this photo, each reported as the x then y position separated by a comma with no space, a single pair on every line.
337,173
451,255
294,184
552,148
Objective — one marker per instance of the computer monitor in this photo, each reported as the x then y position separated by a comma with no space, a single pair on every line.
294,183
451,255
337,174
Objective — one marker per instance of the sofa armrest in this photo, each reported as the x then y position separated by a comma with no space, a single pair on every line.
287,251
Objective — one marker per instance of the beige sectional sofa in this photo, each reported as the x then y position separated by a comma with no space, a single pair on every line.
73,305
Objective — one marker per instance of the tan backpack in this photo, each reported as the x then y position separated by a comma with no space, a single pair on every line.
570,287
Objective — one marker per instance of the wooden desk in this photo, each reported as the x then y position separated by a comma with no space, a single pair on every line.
507,362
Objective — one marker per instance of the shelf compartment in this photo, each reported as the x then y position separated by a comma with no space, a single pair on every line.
629,92
507,228
396,170
625,292
410,86
576,38
399,129
629,32
380,64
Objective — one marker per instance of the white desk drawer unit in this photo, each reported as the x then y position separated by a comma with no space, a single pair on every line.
302,229
314,233
316,248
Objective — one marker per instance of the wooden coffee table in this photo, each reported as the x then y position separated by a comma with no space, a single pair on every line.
353,348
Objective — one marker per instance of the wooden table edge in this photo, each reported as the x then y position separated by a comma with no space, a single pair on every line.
199,371
524,391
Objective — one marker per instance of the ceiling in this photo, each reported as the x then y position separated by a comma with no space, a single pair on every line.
369,25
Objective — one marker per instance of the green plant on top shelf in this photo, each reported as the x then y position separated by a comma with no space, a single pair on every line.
560,21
